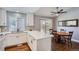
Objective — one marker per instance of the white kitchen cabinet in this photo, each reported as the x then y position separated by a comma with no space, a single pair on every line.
29,19
15,38
31,42
44,44
22,37
38,41
11,40
2,43
3,17
1,46
39,45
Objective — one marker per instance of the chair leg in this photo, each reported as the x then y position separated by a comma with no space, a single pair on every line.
65,41
69,43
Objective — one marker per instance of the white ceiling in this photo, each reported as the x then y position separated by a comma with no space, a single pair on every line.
46,11
41,11
22,9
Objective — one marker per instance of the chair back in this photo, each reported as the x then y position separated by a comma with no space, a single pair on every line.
54,31
70,35
61,30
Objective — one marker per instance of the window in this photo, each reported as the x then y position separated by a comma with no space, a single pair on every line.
16,21
68,23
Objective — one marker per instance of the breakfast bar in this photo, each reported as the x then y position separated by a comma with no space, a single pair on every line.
39,41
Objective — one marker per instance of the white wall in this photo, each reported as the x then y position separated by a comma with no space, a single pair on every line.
73,13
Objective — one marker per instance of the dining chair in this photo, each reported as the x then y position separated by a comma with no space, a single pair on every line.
68,39
50,31
61,30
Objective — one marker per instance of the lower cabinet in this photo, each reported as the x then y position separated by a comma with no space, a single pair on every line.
15,38
2,44
39,44
31,42
44,44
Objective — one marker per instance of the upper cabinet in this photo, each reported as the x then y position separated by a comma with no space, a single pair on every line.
3,17
29,19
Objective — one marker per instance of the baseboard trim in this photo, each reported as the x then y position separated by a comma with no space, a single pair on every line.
74,40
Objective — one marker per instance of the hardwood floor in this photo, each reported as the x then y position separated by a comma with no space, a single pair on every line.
64,47
55,47
20,47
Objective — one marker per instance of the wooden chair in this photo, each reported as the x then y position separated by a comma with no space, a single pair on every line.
68,38
61,30
52,31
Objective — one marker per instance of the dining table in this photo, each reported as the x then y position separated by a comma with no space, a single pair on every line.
60,35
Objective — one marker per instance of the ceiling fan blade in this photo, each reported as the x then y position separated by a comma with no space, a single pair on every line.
54,12
58,11
61,10
64,12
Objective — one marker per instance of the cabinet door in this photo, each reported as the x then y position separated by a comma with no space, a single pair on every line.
11,39
30,20
30,41
22,38
2,43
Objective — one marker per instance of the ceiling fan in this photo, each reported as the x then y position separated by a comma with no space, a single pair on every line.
59,11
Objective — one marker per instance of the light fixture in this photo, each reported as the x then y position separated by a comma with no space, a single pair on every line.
57,14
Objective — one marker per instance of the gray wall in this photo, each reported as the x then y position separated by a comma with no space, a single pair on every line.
37,21
73,13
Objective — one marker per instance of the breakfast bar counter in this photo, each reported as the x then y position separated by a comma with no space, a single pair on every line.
39,41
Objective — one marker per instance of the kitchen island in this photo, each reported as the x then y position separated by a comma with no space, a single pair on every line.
39,41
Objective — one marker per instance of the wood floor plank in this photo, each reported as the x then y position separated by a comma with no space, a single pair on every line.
64,47
22,47
55,47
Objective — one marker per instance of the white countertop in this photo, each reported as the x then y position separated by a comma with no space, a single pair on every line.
35,34
39,35
4,33
2,38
